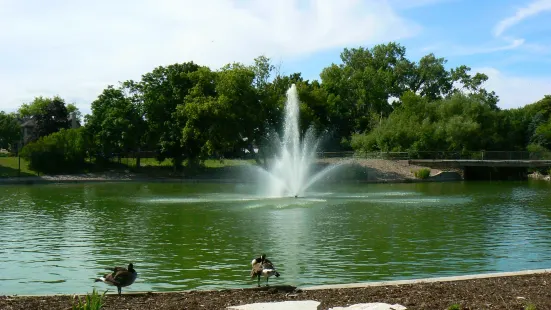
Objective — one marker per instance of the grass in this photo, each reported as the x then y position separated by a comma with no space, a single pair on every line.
9,167
454,307
92,301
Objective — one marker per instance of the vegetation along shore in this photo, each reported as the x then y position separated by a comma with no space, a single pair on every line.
375,100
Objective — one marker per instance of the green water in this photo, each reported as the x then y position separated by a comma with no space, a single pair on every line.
57,238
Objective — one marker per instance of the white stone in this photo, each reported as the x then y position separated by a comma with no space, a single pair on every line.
372,306
284,305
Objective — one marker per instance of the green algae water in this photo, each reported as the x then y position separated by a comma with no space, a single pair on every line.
55,239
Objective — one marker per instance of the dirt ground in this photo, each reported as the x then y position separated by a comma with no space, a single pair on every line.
512,292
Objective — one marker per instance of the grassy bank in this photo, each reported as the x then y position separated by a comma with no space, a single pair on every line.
9,166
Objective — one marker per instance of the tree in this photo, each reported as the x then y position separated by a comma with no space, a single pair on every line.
52,118
10,131
36,107
161,92
115,125
360,88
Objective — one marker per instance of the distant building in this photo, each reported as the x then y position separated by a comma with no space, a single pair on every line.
28,125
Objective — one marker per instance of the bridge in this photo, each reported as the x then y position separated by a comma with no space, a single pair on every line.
462,163
474,165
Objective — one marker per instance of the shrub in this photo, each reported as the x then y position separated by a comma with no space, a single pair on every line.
59,152
422,173
537,151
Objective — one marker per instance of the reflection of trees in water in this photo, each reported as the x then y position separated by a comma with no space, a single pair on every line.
409,230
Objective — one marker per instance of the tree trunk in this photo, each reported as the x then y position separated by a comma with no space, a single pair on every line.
138,159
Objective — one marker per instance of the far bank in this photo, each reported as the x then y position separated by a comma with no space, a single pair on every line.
242,171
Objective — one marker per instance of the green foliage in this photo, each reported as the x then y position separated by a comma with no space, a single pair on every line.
93,301
10,131
60,152
375,100
454,307
116,124
457,123
422,173
530,306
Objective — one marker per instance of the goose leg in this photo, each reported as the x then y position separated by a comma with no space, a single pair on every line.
119,290
258,277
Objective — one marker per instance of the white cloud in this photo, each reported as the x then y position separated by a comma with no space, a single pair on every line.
472,50
515,91
75,48
502,42
532,9
414,4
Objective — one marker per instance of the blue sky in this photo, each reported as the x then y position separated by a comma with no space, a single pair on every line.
75,48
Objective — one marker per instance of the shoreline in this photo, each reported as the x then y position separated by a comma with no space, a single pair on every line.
360,171
63,180
502,290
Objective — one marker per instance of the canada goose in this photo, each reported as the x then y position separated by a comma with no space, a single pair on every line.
263,267
120,277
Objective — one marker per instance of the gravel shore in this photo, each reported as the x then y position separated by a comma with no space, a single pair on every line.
511,292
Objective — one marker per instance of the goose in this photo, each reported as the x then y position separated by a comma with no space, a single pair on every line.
261,266
120,277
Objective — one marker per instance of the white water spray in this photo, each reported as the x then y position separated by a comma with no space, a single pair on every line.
289,175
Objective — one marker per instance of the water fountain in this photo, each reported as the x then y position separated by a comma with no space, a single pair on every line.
289,174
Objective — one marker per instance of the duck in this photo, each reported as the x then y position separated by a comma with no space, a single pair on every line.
120,277
261,266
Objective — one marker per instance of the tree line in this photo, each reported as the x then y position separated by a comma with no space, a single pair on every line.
375,100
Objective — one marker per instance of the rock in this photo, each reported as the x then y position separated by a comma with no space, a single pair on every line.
371,306
284,305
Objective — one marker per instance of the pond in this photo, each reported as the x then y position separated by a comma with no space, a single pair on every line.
56,238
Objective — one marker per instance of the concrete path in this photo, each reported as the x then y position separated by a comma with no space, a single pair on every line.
284,305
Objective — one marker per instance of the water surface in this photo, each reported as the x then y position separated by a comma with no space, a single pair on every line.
57,238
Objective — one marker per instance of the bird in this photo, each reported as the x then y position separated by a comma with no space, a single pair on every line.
120,277
261,266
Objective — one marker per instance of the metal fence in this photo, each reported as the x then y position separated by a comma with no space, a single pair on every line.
150,157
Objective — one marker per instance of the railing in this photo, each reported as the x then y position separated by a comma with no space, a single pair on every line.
435,155
451,155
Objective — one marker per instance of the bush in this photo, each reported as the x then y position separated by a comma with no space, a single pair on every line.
60,152
363,143
422,173
538,152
